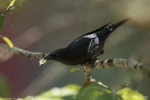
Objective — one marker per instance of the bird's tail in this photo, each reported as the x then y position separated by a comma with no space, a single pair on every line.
114,26
110,29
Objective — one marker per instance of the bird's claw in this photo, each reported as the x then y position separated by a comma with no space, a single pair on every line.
91,63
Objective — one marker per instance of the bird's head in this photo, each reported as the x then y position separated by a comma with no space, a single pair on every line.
56,54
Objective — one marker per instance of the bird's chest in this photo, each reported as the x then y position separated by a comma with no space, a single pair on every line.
79,56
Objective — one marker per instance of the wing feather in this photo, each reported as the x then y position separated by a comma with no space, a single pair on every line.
87,42
80,43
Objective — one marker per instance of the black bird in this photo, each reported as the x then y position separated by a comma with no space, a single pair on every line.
85,48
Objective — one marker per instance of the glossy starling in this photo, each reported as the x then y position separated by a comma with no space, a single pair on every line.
85,48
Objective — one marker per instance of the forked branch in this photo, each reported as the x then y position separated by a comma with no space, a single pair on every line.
117,62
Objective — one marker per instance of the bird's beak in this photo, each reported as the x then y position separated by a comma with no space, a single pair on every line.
43,60
49,57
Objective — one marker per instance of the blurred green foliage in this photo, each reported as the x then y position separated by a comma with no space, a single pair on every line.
1,21
67,92
129,94
90,91
4,87
13,6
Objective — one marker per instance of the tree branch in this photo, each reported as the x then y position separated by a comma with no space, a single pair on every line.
89,79
118,62
25,53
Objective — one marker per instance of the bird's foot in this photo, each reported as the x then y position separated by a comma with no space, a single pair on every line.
91,63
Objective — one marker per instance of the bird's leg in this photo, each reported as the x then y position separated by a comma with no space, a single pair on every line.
91,62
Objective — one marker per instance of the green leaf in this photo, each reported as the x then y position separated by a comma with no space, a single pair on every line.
94,91
74,69
1,21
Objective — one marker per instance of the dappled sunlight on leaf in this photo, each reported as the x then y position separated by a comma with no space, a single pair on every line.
70,89
129,94
65,93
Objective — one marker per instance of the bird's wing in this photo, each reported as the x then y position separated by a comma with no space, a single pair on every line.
94,43
85,39
79,43
88,42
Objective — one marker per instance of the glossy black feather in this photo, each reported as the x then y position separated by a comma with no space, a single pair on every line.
81,41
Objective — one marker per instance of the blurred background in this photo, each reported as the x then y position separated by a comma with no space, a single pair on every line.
46,25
